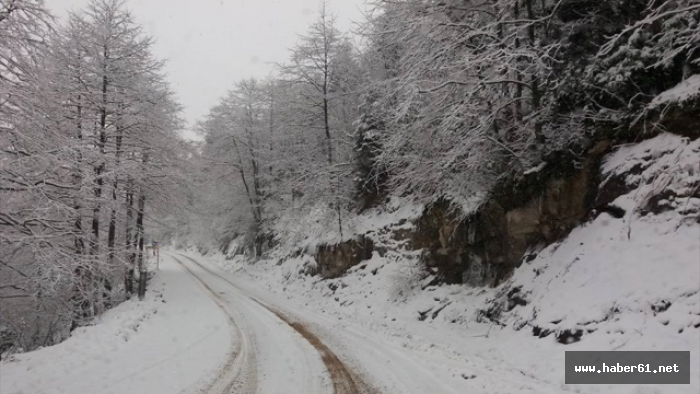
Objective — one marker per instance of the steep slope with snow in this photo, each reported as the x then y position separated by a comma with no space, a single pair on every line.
628,278
632,271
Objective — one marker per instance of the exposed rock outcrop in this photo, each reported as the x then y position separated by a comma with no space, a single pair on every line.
522,213
334,260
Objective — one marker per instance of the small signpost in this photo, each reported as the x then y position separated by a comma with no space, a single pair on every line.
156,253
155,250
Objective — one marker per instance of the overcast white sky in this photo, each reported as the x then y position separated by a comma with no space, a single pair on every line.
209,44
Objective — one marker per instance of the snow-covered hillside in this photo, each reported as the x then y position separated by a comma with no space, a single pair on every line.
627,279
625,275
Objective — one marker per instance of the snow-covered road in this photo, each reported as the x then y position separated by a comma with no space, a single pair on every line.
202,330
297,350
269,355
205,331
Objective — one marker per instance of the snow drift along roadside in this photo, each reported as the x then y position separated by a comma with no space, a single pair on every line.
172,342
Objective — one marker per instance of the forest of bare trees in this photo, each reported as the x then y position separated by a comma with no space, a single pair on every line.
88,136
425,99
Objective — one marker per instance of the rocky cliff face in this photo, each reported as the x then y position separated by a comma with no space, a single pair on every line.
521,215
524,213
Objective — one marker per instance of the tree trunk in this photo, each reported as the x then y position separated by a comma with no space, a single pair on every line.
272,126
80,306
78,181
245,182
100,168
140,235
130,243
534,80
111,237
518,77
326,122
97,191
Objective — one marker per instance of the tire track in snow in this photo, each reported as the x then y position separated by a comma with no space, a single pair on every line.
344,381
238,373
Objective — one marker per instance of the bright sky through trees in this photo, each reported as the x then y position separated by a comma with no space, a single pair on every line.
210,44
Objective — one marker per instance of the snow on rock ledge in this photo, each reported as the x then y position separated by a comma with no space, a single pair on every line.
688,89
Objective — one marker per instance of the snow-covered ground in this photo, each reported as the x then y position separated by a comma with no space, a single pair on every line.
449,344
172,342
403,361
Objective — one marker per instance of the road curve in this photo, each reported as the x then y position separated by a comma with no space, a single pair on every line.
290,358
238,372
369,363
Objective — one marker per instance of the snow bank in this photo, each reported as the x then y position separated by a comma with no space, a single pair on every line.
171,342
305,230
686,90
641,263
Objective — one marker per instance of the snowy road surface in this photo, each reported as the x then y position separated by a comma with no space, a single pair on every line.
201,330
270,356
287,350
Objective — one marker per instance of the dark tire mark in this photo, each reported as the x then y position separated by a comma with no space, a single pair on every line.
343,380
